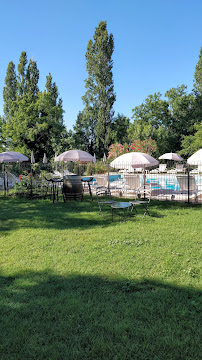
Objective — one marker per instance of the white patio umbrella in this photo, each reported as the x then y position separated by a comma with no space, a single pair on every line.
134,160
196,158
12,156
75,155
171,156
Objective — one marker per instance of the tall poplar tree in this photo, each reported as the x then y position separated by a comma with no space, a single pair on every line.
198,90
99,97
10,89
32,78
193,141
22,73
33,120
198,76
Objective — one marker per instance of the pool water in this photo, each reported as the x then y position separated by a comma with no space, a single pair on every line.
167,181
112,178
161,181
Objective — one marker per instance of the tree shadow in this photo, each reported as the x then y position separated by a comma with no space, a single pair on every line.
17,213
48,316
44,214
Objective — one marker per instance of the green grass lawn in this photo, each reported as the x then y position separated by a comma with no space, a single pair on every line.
74,285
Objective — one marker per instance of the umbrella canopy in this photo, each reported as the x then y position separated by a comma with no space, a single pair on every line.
196,158
104,158
134,160
75,155
171,156
12,156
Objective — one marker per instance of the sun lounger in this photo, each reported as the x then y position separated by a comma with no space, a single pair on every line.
132,182
179,168
160,169
187,185
198,170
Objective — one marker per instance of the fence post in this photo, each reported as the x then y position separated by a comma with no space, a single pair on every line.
188,169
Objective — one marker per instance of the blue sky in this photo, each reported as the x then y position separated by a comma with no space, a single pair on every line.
157,44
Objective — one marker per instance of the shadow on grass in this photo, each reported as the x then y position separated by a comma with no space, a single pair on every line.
47,316
19,213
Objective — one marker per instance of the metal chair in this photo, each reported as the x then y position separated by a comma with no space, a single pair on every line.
143,196
104,197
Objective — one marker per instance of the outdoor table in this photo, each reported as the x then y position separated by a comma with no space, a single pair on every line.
120,206
88,180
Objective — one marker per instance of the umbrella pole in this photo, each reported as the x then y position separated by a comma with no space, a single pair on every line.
4,171
31,182
108,175
6,180
188,169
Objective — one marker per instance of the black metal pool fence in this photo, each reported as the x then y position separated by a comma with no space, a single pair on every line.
183,184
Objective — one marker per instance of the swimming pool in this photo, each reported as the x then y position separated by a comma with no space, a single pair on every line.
166,181
114,177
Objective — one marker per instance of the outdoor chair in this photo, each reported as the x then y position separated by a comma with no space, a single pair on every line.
72,188
198,170
138,170
178,169
188,185
101,180
8,180
104,197
161,169
132,182
143,196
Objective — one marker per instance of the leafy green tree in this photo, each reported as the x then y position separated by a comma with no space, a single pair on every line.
149,122
181,119
198,76
50,134
198,90
84,133
32,78
10,89
23,112
192,143
120,127
166,121
22,73
2,141
34,121
99,97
